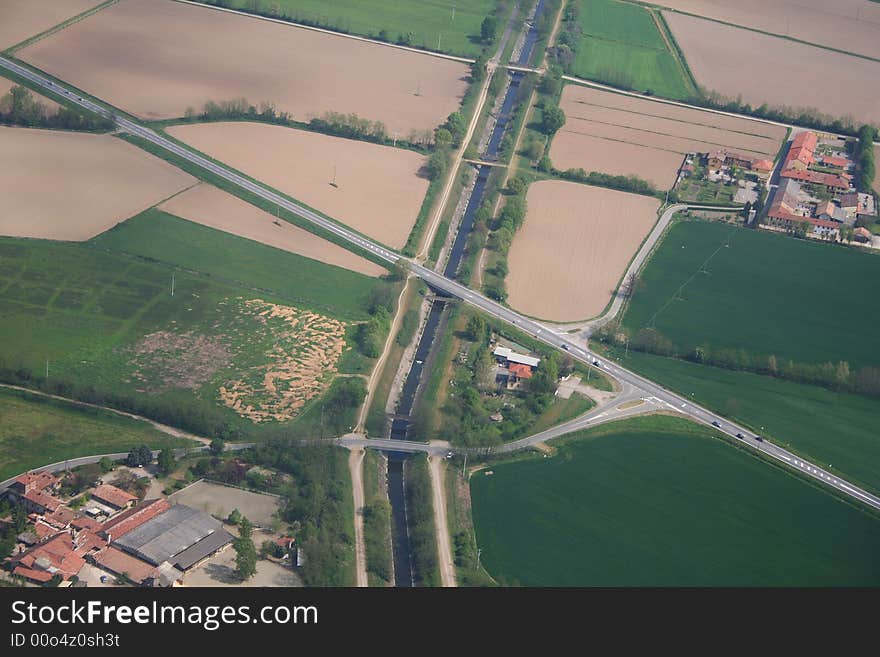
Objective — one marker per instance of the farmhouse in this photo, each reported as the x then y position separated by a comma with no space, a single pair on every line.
56,556
33,490
507,356
116,498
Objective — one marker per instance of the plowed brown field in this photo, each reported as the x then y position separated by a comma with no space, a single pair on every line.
848,25
567,259
209,206
623,135
72,186
777,71
156,58
378,190
22,19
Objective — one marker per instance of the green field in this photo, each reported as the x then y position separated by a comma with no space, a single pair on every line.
445,25
623,46
35,432
168,239
107,323
824,426
766,293
658,502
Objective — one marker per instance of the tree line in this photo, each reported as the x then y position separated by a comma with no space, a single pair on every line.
864,156
837,376
420,522
19,107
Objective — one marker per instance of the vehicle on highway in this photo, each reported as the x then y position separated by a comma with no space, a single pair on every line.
740,436
565,346
597,363
716,423
759,439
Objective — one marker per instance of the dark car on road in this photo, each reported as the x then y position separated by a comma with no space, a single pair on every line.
716,423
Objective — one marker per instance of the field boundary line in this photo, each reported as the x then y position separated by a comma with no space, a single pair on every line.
356,37
765,32
57,28
656,99
673,47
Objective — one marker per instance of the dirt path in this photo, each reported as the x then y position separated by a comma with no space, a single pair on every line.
437,467
376,374
356,468
164,428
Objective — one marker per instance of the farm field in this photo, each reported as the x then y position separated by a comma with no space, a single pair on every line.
214,208
824,426
574,246
623,46
35,432
455,25
72,186
156,58
848,25
109,321
658,502
22,19
736,303
6,102
161,237
378,189
623,135
724,59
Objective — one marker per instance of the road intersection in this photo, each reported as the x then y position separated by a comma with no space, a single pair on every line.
577,348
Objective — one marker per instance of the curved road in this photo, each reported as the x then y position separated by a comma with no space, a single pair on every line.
578,350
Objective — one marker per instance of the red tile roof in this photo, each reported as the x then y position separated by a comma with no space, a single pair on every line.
834,161
134,517
118,562
61,517
521,371
807,139
84,522
40,576
36,480
112,495
44,530
42,499
826,179
55,554
762,165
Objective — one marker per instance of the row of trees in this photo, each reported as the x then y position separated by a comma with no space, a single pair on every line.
420,522
568,39
19,107
837,376
504,227
864,156
623,183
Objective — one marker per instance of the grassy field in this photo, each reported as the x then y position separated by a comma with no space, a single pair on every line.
444,25
165,238
35,432
736,299
824,426
658,502
623,46
108,320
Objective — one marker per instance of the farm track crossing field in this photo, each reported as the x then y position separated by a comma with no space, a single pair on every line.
658,502
378,190
212,207
848,25
156,58
570,253
22,19
623,46
827,427
452,25
622,135
109,321
725,59
736,299
36,432
72,186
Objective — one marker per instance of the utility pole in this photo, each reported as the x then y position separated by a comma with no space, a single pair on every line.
453,12
47,368
438,41
626,354
464,466
172,285
334,177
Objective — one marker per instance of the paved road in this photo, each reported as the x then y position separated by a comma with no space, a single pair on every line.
574,347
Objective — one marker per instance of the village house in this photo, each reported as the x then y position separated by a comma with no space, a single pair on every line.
113,497
513,368
33,491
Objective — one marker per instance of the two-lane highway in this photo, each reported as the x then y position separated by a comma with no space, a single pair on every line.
455,289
